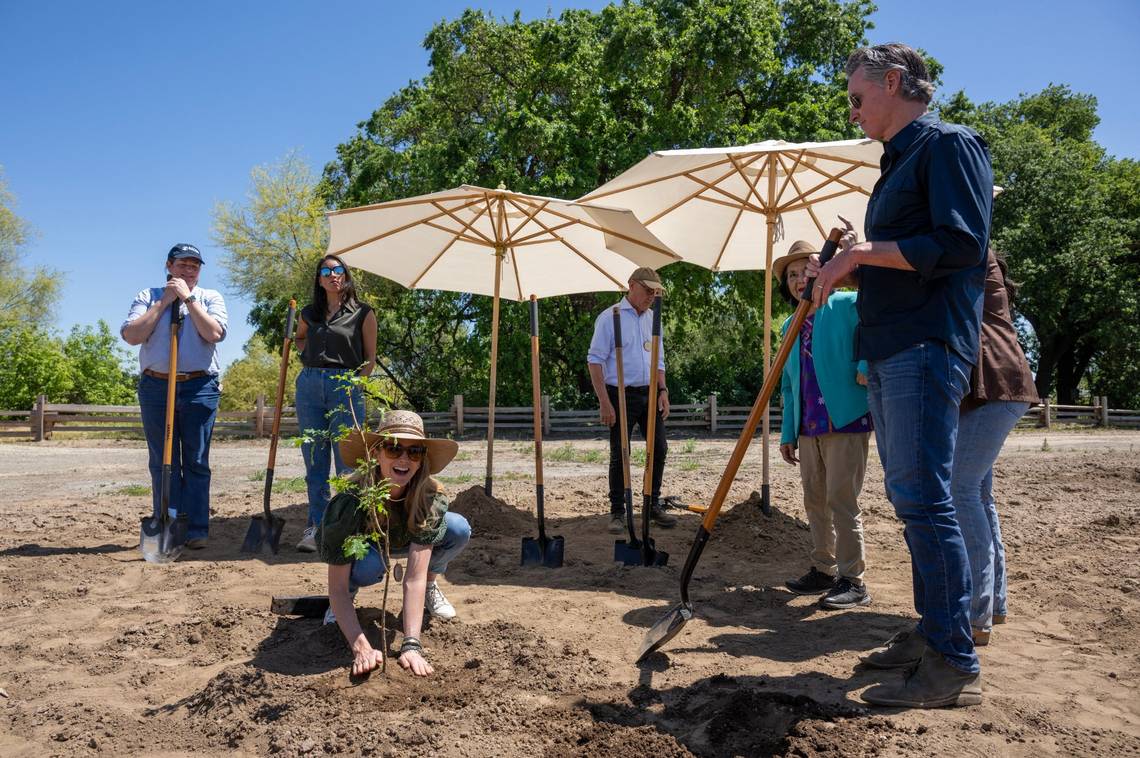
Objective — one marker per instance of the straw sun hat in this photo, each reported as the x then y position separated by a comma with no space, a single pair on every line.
798,251
405,426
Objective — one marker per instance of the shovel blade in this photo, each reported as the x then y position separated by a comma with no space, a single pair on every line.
651,556
664,630
627,552
263,532
539,552
162,543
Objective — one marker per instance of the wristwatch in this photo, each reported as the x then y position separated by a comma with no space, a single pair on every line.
192,299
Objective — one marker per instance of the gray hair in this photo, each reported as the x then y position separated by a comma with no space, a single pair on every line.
876,61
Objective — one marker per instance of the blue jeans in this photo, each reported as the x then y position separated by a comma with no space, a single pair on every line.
914,397
195,408
322,403
981,433
369,569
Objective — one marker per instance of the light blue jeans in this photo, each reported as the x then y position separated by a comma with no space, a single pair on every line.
914,397
370,569
323,406
981,433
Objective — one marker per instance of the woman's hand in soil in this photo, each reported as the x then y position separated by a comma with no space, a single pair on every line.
366,660
413,661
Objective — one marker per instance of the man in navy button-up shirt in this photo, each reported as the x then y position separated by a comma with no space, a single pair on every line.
920,276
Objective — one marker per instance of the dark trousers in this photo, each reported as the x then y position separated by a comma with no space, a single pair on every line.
637,414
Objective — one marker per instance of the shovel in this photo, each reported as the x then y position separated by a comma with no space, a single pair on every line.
628,551
650,556
265,528
161,538
545,551
672,622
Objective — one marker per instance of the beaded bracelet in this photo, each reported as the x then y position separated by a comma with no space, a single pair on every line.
411,644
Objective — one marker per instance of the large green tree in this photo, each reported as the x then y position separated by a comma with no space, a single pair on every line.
27,293
96,360
1069,223
559,106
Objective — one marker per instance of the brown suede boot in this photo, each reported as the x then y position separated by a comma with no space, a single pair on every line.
981,637
934,683
902,650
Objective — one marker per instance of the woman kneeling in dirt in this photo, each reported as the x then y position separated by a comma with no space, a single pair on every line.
418,521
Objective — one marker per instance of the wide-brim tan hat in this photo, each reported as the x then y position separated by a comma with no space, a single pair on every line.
400,425
798,251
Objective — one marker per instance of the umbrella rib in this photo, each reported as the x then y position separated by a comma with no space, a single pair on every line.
398,204
840,159
472,240
761,202
591,224
806,203
391,232
415,282
806,196
727,238
530,214
810,210
787,175
468,226
505,235
655,180
838,178
579,253
530,238
704,185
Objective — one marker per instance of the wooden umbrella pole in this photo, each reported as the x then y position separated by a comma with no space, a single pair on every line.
536,402
499,252
765,488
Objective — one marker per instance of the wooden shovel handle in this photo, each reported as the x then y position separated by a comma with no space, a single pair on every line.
770,382
282,372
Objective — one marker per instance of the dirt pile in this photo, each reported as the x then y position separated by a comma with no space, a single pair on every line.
490,516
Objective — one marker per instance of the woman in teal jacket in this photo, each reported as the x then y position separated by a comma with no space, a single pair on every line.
826,418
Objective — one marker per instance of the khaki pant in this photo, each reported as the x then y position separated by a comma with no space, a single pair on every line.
832,468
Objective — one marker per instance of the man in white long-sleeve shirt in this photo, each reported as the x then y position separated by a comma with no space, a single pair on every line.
637,340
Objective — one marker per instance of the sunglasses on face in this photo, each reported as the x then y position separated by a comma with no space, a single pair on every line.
855,101
326,271
393,451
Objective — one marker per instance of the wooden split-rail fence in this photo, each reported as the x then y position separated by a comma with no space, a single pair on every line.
709,417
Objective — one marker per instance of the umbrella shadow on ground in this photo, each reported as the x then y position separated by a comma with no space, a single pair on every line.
301,647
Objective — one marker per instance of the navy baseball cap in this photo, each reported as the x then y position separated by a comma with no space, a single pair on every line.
184,250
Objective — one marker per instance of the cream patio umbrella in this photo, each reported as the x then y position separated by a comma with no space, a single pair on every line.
713,206
499,243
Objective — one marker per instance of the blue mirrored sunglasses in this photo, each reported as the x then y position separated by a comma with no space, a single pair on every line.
326,271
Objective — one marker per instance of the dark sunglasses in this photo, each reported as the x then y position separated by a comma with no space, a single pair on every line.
855,101
326,271
393,451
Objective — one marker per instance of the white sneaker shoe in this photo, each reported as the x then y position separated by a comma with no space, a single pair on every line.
437,604
330,617
308,543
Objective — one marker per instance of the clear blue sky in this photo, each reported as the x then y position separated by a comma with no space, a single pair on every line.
121,124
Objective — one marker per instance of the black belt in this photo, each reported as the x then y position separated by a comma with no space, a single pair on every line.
179,377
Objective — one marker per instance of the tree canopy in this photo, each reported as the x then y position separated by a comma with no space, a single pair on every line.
559,106
1069,224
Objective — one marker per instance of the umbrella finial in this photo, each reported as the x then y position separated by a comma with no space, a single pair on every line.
501,186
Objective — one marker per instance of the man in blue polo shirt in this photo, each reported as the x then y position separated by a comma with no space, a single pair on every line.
196,402
920,275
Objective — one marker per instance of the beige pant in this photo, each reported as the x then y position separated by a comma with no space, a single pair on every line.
832,468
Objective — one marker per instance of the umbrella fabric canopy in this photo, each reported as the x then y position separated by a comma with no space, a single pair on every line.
713,206
447,241
499,243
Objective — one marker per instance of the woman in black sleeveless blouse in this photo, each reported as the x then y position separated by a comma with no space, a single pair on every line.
336,335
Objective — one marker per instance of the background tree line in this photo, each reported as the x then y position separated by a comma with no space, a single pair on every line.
559,106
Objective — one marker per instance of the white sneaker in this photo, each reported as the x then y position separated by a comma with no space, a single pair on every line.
330,617
437,604
308,543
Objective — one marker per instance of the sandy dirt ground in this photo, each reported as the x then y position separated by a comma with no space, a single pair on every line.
102,653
